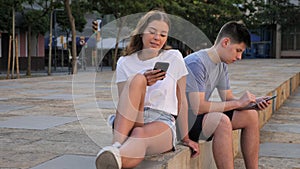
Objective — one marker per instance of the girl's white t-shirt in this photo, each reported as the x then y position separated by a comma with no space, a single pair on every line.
162,94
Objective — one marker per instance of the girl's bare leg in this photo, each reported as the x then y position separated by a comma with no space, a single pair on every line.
130,108
149,139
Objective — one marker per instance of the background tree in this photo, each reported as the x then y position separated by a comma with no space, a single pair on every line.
75,13
272,16
35,22
73,29
281,12
5,15
78,10
119,10
8,14
207,15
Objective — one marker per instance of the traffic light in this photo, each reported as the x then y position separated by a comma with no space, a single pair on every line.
95,26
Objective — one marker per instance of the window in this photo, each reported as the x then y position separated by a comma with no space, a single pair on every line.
297,37
0,46
290,39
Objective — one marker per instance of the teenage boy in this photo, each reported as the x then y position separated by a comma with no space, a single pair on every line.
213,120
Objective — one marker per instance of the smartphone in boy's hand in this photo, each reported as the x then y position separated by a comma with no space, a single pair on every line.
266,99
270,98
255,105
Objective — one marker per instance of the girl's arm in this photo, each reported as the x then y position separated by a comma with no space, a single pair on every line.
182,117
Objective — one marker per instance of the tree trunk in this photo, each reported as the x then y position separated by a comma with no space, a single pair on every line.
116,51
28,73
120,25
72,23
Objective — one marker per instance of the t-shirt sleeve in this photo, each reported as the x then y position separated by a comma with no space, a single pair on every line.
181,69
224,79
196,79
121,75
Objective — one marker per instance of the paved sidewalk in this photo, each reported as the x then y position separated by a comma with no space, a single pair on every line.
280,138
59,121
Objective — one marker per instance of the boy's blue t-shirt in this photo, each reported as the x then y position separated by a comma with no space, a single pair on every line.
205,75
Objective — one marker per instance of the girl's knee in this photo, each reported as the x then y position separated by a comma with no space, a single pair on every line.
138,132
139,80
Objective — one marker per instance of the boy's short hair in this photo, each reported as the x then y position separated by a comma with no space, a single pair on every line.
236,31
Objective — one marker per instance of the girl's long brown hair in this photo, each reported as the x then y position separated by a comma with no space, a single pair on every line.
136,43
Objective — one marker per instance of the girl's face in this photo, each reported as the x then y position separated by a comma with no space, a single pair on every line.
155,35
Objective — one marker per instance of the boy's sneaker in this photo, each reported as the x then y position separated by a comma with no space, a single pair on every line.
111,119
109,157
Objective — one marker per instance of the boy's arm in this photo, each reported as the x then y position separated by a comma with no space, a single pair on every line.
260,103
200,105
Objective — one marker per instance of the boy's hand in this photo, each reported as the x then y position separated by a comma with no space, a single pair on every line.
262,103
247,99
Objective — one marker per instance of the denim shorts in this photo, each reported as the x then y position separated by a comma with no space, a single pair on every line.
151,115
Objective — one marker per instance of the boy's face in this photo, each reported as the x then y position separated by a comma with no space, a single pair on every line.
232,51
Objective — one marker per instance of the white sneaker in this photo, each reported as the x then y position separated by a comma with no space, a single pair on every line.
109,157
111,119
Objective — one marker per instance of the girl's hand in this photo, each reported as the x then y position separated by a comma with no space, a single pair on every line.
193,146
153,76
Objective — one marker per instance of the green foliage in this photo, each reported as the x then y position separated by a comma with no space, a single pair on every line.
6,8
5,15
276,12
79,8
37,20
208,15
117,8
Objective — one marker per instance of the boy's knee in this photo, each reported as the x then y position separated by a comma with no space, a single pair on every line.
225,123
252,116
220,124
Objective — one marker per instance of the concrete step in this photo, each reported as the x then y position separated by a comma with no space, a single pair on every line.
180,159
280,137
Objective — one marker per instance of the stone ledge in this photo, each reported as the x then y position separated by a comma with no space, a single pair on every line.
180,159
